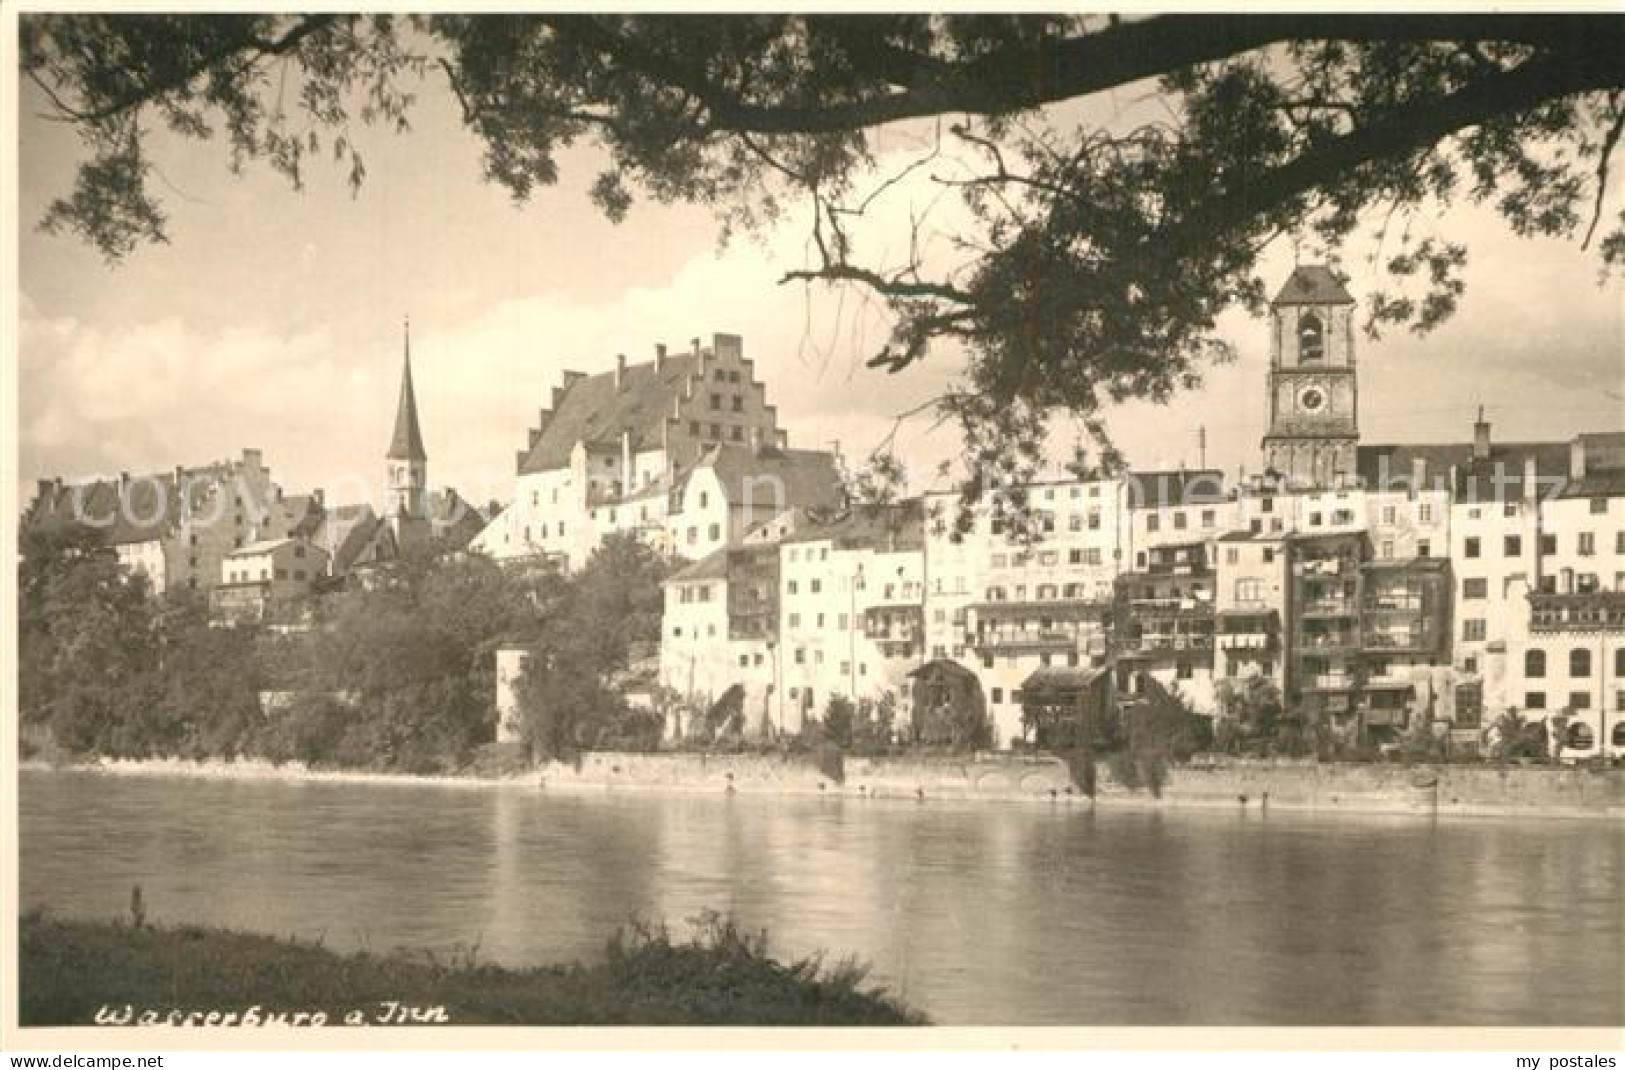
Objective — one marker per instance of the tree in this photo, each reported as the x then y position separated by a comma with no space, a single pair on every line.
88,647
1252,711
1098,255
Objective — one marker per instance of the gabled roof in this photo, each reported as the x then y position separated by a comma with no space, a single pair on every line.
261,547
713,566
592,409
801,477
1313,284
1176,487
345,532
896,527
454,522
1497,477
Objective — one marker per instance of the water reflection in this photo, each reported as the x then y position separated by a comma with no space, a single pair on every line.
979,914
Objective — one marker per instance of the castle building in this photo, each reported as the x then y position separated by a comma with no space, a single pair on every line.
684,452
173,527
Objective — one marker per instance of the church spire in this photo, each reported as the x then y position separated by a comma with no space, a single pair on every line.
407,442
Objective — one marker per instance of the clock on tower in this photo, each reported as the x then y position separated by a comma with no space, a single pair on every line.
1313,428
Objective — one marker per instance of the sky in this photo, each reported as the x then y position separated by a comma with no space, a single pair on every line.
273,319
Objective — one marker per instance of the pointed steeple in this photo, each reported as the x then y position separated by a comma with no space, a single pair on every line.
407,442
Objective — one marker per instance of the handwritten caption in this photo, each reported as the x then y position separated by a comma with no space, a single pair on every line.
384,1012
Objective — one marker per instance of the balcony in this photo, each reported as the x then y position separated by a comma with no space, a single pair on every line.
1401,640
1023,641
1328,643
1594,611
1163,644
1329,607
1332,682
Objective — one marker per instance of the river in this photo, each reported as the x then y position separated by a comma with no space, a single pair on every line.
983,914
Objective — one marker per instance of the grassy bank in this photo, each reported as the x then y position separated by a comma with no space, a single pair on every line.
71,970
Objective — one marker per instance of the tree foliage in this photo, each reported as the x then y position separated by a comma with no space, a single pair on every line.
585,629
1100,251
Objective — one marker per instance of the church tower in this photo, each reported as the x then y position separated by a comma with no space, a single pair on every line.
1313,411
407,506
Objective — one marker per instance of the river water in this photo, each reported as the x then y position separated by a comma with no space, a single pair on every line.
979,914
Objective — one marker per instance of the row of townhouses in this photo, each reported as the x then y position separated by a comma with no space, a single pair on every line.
1379,586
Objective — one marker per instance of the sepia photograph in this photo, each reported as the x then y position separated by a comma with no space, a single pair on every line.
925,520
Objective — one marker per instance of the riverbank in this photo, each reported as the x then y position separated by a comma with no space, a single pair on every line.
97,973
1220,784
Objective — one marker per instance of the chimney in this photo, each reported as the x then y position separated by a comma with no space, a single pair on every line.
1419,474
695,342
756,441
1481,437
1531,486
318,497
660,356
620,371
1577,460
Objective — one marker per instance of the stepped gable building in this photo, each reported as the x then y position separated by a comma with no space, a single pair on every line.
687,441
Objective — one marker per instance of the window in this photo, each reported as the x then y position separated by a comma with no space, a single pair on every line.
1387,548
1343,516
1269,554
1314,520
1266,505
790,585
1094,521
1512,546
1469,665
1619,662
1184,671
1579,700
1250,590
1475,588
1472,630
1423,549
737,434
1074,523
998,695
693,429
1580,662
1599,506
815,585
1387,514
1179,521
1588,544
1534,700
1152,522
1619,542
1074,557
1424,513
716,430
801,655
1232,556
1548,545
1534,663
716,401
739,403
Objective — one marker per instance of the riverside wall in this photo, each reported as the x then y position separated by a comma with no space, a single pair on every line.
1220,784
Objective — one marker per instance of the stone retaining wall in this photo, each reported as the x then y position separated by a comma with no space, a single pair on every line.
1297,785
